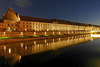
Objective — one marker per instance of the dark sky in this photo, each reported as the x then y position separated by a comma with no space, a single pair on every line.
83,11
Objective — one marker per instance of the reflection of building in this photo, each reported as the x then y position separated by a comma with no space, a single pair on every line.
13,22
13,52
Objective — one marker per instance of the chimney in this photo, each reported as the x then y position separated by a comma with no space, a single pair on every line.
3,15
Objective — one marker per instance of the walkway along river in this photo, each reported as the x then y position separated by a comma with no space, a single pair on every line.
70,51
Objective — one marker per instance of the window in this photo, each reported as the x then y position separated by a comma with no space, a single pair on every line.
8,24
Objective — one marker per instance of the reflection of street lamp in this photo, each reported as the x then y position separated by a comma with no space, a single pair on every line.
9,50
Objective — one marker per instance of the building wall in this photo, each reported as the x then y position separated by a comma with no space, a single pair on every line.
19,34
43,26
10,28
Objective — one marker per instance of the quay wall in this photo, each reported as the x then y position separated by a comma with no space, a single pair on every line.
35,33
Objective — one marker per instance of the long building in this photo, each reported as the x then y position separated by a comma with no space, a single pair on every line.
13,22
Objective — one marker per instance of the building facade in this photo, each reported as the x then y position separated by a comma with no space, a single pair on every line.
13,22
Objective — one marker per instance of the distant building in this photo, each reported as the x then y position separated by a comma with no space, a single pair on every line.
12,21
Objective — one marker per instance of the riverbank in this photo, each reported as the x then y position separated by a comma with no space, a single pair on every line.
28,38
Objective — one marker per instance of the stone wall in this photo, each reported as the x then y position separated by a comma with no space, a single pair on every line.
18,34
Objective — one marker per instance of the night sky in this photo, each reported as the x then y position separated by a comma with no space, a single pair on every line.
83,11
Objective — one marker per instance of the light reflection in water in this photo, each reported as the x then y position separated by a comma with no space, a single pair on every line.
9,50
33,47
22,44
95,35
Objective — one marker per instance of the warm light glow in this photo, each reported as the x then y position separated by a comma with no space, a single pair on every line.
47,29
45,32
25,47
59,39
53,40
4,47
34,42
53,32
59,33
9,29
45,41
9,50
34,33
4,33
14,29
95,35
25,29
19,59
22,33
21,44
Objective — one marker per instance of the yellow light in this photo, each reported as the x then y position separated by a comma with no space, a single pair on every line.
47,29
95,35
25,47
45,41
25,29
9,50
4,47
59,32
4,33
45,32
21,44
22,33
34,42
34,33
53,32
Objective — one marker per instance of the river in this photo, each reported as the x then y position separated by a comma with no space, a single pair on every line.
73,51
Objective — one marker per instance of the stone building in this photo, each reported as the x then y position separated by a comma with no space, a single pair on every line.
12,21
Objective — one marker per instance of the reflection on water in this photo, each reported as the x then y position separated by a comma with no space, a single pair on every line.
95,35
11,53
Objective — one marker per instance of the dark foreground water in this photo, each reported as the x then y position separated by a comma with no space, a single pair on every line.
74,51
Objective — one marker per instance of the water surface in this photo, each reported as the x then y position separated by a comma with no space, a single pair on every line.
73,51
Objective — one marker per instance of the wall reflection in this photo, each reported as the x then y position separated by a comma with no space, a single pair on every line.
95,35
17,50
